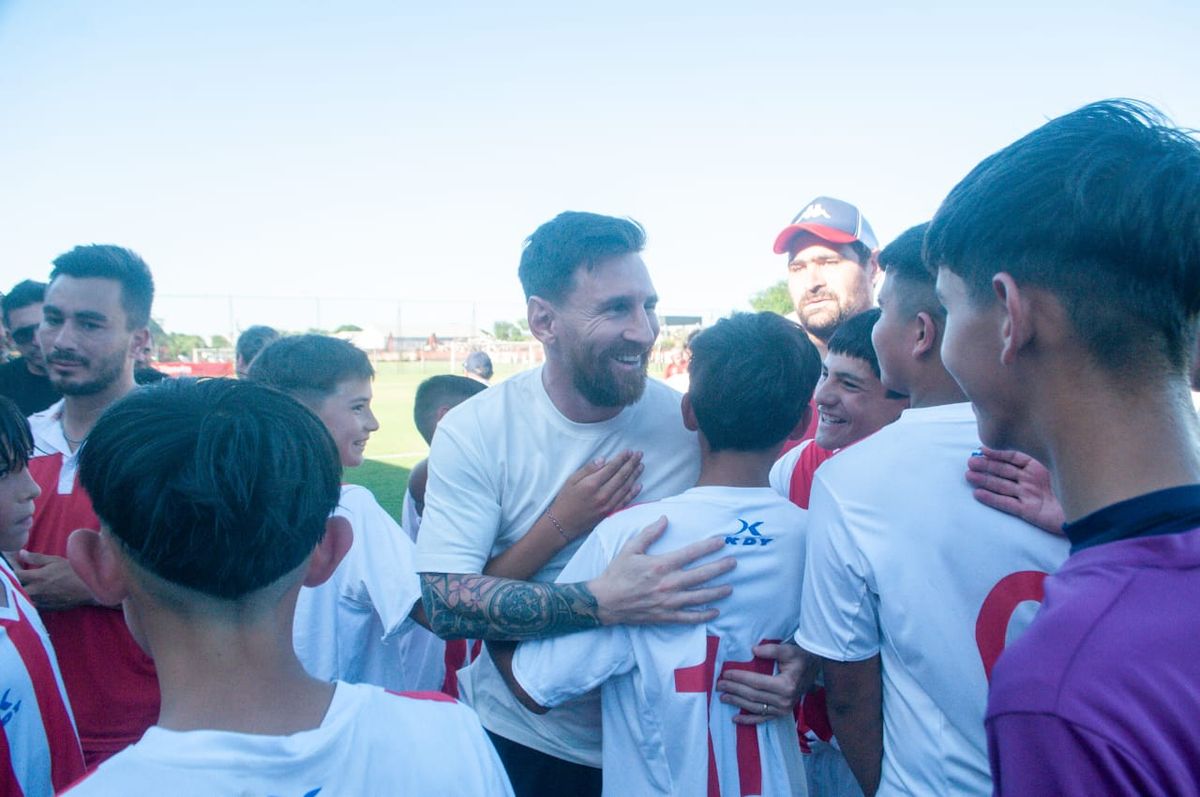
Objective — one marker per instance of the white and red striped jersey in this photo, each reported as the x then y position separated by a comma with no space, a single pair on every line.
39,747
657,682
370,742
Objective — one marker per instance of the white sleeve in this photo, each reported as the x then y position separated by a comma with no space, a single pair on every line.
839,614
409,519
462,504
781,472
382,572
553,671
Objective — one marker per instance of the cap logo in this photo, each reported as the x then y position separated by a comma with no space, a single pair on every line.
814,210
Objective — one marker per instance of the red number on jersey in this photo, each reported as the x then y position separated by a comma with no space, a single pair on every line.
991,627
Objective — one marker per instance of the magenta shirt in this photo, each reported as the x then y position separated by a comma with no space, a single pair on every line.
1101,695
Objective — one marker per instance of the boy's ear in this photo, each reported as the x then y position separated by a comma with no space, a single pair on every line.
540,315
329,551
802,426
1017,328
689,414
926,337
94,558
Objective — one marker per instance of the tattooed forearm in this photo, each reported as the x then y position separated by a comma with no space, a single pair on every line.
465,605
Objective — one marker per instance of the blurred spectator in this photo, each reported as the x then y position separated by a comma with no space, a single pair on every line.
479,367
24,379
250,343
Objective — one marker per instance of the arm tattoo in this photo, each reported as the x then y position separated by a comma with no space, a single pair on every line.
466,605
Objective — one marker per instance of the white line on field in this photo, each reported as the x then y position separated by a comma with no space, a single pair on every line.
401,455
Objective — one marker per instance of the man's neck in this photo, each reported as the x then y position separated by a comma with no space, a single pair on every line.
80,413
821,344
241,677
556,379
736,468
1110,446
934,387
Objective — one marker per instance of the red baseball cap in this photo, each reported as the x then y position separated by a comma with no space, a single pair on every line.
831,220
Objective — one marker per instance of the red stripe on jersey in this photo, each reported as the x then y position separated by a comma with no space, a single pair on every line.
437,697
66,757
800,486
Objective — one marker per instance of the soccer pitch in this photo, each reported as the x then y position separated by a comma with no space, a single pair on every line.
397,446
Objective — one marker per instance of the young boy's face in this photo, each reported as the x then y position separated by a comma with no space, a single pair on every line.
347,415
851,402
17,493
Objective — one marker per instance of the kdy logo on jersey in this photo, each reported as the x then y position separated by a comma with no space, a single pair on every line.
748,534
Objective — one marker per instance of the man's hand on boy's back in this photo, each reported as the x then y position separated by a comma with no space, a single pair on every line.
636,588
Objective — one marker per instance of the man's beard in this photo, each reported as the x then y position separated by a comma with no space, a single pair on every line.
107,371
596,381
823,322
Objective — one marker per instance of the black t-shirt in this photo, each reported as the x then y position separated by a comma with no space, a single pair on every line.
31,393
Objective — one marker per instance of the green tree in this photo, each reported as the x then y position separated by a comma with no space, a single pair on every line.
220,342
774,299
506,330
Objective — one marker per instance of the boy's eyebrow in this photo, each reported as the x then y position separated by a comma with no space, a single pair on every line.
850,374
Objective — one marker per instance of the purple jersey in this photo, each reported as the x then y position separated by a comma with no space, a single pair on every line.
1102,693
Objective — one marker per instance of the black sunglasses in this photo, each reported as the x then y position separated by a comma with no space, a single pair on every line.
23,336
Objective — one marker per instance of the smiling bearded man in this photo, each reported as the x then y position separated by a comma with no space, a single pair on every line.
498,459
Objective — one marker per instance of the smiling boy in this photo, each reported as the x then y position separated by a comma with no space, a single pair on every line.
347,627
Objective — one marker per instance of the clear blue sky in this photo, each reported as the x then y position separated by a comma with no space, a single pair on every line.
403,150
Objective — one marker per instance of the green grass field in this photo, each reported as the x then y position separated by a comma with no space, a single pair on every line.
396,447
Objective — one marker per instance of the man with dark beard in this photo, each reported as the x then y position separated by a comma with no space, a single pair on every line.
832,266
498,460
94,321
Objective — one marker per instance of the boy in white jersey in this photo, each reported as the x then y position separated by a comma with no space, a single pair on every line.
751,380
39,747
913,587
348,627
216,503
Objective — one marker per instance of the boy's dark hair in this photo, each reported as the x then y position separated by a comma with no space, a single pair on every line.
752,376
23,294
310,367
567,242
216,485
253,340
105,261
852,338
903,260
438,391
1102,208
16,440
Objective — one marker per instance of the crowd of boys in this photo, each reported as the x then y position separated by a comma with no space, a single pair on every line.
938,533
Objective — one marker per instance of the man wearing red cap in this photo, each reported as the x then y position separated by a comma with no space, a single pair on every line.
832,265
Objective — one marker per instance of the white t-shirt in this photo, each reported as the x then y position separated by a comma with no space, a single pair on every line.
409,518
347,628
370,743
905,563
496,464
657,681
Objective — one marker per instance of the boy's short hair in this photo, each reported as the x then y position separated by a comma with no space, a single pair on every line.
16,439
309,367
253,340
903,260
852,338
219,486
571,240
751,378
23,294
1100,207
438,391
105,261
